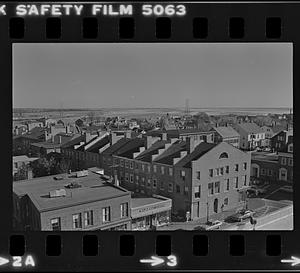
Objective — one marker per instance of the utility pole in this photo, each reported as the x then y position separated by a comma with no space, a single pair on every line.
207,211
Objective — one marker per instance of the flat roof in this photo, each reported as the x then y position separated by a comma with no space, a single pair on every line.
93,188
143,201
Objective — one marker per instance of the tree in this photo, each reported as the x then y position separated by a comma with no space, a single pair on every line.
21,174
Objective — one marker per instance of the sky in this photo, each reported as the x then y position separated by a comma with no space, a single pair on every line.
128,75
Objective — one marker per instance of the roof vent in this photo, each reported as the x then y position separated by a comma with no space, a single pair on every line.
57,193
82,173
73,185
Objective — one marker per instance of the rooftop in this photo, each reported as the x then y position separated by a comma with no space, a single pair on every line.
23,158
226,131
93,188
250,127
143,201
147,154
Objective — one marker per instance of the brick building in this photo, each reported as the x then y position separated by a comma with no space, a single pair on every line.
198,176
280,140
77,201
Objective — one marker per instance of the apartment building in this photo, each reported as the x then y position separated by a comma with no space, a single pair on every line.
77,201
199,177
279,141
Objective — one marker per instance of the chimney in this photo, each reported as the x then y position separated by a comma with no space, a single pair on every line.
114,138
87,136
127,134
149,141
164,136
192,144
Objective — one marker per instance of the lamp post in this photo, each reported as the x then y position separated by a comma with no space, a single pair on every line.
207,211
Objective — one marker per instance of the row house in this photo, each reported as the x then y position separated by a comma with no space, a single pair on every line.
251,135
199,177
226,134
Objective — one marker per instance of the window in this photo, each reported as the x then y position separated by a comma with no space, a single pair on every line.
182,174
227,169
227,184
126,176
149,169
263,171
124,210
162,170
198,175
217,171
226,202
143,181
154,183
210,188
283,161
137,179
162,185
177,188
154,168
197,191
245,165
290,148
136,166
16,164
122,163
143,167
236,167
77,220
217,187
131,178
211,172
290,162
171,171
105,214
236,181
170,187
149,183
55,224
221,171
88,218
186,190
126,164
245,180
270,172
131,165
223,155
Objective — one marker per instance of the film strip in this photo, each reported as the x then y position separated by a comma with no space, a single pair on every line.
42,243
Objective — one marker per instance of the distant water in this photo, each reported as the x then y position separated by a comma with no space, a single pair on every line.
242,111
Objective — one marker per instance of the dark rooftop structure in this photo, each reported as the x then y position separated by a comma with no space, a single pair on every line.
147,154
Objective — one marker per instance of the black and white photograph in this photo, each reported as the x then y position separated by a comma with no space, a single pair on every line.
152,136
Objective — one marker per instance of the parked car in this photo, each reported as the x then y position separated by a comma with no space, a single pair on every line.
246,214
287,188
259,190
251,193
214,225
232,218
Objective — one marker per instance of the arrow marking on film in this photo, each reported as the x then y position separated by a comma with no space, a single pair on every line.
293,261
3,261
154,261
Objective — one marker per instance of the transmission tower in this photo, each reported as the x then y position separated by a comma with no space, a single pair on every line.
187,107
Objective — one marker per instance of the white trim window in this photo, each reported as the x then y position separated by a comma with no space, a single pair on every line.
106,214
77,220
88,218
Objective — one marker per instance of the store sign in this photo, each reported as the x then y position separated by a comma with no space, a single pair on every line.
151,209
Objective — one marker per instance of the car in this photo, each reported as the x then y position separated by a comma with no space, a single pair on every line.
258,190
287,188
232,218
214,225
245,214
251,193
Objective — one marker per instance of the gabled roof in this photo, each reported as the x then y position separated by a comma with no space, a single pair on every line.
74,141
176,132
226,131
171,153
96,146
131,147
250,127
115,147
199,151
147,154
